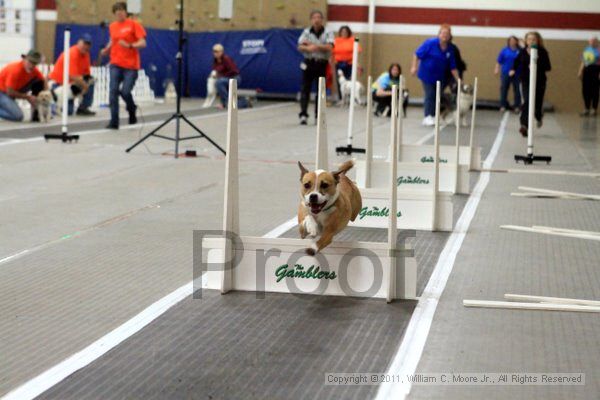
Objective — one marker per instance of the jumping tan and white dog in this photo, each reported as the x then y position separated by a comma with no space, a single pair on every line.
43,104
211,90
330,200
466,101
346,89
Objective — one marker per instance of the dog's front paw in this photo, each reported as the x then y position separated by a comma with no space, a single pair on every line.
311,227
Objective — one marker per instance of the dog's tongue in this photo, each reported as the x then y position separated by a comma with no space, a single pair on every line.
316,208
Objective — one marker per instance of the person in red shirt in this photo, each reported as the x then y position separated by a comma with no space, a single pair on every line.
20,80
126,38
80,76
226,69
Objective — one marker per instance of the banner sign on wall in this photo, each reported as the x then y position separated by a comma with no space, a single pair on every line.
268,59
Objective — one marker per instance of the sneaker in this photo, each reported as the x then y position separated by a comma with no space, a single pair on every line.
378,113
585,113
539,124
111,126
85,112
593,113
132,119
502,109
303,120
523,131
428,121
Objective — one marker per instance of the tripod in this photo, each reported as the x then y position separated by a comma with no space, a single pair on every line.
178,116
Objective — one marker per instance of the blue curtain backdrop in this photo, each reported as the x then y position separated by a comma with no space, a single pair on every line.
267,59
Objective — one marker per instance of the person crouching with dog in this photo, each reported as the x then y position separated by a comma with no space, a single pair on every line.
382,89
226,69
126,38
80,76
21,80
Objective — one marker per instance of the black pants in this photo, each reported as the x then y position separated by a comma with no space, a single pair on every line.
314,70
591,86
382,102
540,90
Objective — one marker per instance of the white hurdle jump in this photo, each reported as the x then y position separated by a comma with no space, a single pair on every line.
454,177
469,156
421,207
357,269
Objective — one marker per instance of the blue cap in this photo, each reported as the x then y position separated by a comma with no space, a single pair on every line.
86,37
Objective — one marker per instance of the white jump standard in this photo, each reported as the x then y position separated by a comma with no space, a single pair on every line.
454,177
421,203
357,269
66,88
530,158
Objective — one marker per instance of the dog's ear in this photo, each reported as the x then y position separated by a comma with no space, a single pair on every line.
303,171
345,167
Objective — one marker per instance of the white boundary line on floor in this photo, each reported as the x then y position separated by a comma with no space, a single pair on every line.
430,135
47,379
407,358
145,125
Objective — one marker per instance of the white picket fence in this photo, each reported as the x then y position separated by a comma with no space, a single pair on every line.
142,93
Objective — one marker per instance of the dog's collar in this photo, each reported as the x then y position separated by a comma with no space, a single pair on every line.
335,197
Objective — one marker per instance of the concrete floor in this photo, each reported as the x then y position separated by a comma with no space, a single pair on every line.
92,235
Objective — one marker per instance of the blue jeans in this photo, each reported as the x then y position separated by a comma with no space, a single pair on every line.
122,81
9,109
223,91
429,99
505,83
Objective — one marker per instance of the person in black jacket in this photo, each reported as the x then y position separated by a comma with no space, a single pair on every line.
521,64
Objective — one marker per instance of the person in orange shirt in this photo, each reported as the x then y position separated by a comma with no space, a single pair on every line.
80,76
20,80
343,48
126,38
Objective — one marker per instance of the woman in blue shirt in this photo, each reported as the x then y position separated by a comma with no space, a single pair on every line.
589,73
432,59
504,64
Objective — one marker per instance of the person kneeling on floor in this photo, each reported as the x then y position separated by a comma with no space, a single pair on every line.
21,80
382,89
226,69
80,78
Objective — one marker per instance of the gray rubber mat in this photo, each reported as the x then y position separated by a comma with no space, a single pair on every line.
239,347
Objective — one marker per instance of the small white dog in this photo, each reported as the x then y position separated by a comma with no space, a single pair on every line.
58,94
346,89
211,89
466,101
43,104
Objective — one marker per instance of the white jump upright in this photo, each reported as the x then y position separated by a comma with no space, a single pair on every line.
322,158
66,87
66,90
530,158
454,177
422,204
457,139
473,162
357,269
469,156
349,149
369,132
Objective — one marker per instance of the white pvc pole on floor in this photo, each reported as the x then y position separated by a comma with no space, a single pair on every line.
532,88
352,91
436,155
66,87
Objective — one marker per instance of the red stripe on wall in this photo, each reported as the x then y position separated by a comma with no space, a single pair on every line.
348,13
45,4
496,18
